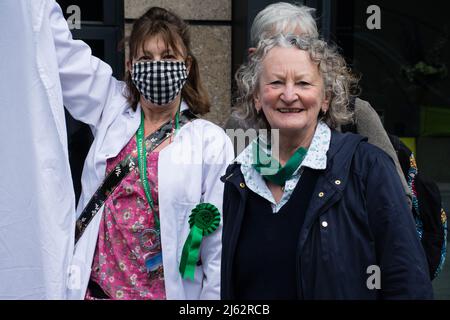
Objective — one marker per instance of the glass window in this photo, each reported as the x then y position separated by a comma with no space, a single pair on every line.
405,76
91,11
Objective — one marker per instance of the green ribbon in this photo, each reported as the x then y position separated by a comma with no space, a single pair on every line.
264,163
142,160
204,220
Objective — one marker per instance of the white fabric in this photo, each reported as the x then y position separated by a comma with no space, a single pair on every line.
45,69
316,158
37,202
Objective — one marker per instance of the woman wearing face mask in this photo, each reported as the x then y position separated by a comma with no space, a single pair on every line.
149,225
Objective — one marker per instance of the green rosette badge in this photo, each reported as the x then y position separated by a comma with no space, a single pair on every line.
204,220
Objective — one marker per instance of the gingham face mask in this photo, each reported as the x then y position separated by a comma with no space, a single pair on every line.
159,82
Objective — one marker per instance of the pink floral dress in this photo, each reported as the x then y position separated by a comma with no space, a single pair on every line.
119,261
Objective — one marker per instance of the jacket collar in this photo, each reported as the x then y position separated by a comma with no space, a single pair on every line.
340,154
234,175
132,125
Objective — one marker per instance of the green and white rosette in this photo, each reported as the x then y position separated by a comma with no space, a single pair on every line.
204,220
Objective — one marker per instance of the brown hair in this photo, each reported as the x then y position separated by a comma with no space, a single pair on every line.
173,31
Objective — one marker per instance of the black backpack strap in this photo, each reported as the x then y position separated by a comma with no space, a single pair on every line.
404,154
427,209
432,222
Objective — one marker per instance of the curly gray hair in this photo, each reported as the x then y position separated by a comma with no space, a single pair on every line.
283,17
339,82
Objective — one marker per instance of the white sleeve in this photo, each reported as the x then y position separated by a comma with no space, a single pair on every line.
37,202
88,86
217,156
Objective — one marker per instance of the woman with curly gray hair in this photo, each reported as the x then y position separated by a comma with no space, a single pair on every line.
339,82
288,18
309,212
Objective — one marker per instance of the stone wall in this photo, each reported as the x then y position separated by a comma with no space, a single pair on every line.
210,27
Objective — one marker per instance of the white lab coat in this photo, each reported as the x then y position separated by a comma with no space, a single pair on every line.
188,172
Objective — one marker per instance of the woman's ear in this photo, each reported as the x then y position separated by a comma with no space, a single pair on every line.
326,103
129,65
257,102
188,63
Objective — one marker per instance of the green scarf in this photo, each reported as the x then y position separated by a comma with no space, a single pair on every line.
270,168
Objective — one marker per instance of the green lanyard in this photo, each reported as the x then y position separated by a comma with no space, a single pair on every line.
283,173
142,161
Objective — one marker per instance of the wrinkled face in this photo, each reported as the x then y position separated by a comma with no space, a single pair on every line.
290,91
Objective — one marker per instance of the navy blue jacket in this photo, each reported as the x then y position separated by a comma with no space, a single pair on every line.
368,223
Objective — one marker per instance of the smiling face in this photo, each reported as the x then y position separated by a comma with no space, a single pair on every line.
290,91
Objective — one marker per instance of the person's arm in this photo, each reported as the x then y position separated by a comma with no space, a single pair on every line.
368,124
217,155
400,255
87,84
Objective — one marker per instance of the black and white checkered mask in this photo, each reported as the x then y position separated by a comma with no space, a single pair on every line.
159,82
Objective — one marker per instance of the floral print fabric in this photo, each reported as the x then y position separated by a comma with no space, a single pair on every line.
119,261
